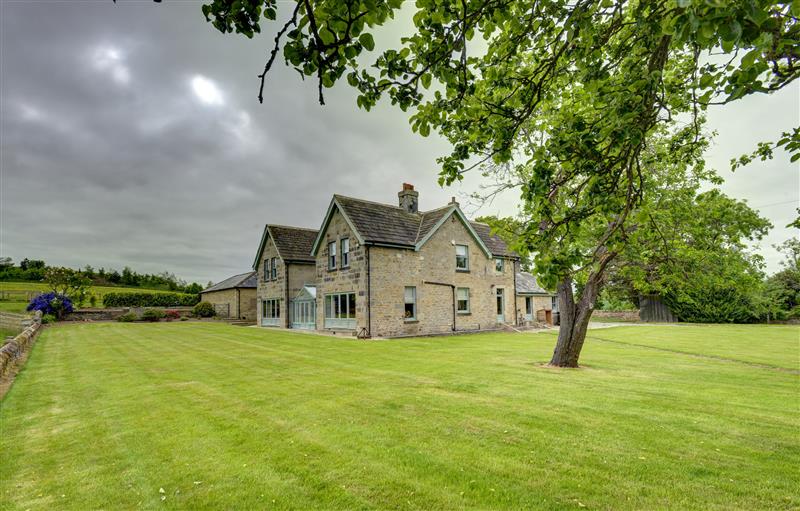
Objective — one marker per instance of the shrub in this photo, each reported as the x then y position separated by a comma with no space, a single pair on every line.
48,318
184,318
51,303
93,300
152,315
172,314
203,310
127,318
149,299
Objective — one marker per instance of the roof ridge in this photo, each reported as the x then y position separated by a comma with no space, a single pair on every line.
293,227
373,202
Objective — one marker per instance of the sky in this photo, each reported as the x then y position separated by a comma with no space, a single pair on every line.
131,135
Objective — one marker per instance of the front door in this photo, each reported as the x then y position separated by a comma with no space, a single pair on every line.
501,306
528,308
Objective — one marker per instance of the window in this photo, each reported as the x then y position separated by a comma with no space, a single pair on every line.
340,310
528,305
274,268
554,303
499,265
345,252
462,257
410,303
271,309
332,255
266,270
462,300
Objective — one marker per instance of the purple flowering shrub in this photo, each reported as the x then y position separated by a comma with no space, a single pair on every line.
51,303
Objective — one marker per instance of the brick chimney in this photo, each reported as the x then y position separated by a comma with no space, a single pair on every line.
409,198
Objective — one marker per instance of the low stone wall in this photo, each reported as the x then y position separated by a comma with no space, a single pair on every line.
14,349
113,314
15,322
616,315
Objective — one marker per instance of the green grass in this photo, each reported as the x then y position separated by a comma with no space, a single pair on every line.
105,415
18,292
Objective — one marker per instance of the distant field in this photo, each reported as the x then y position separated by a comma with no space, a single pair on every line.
14,295
211,416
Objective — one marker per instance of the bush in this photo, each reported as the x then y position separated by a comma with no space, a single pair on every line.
149,299
184,318
203,310
172,314
48,318
152,315
51,303
128,318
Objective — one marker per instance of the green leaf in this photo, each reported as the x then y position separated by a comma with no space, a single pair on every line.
367,41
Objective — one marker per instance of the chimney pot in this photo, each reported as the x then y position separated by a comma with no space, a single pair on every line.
407,186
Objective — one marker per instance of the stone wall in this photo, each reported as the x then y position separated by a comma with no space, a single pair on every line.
541,304
12,351
391,270
112,314
238,303
615,315
298,275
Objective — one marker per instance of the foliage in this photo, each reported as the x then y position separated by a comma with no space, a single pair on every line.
128,317
172,314
149,299
782,290
65,281
610,301
508,229
204,310
48,318
51,303
153,315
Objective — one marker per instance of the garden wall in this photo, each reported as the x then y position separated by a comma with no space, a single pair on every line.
111,314
14,349
616,315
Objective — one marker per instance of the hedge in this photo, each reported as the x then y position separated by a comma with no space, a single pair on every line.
150,299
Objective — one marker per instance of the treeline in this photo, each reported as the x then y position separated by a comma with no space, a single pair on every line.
34,270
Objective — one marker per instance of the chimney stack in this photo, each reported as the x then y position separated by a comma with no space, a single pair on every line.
408,198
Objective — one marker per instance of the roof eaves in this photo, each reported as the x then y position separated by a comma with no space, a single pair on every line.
457,211
327,220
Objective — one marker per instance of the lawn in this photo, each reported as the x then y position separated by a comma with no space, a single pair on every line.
213,416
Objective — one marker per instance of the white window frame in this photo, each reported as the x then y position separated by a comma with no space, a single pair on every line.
274,264
502,265
465,256
267,271
345,258
332,254
413,302
340,310
459,310
271,312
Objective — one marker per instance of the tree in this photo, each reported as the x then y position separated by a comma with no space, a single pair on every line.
5,263
566,94
31,264
193,288
783,288
68,282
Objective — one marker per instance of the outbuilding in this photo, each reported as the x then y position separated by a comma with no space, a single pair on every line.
234,297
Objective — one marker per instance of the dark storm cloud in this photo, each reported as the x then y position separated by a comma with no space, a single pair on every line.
131,135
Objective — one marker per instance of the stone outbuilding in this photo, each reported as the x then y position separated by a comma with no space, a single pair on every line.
234,297
534,303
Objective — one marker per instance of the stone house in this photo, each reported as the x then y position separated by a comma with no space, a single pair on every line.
234,297
286,276
380,270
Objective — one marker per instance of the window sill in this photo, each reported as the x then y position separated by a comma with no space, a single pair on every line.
464,313
458,270
410,321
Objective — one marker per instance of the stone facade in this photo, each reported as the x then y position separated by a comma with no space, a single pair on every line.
391,270
349,279
239,303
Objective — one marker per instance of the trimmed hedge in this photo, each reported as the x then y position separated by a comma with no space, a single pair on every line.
150,300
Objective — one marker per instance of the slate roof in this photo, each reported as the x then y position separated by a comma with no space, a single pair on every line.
527,285
293,243
249,279
392,225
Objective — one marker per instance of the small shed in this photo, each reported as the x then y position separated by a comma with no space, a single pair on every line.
234,297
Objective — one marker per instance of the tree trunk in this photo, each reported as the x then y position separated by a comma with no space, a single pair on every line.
574,321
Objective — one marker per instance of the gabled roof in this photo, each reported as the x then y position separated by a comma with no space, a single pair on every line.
293,243
382,224
527,285
243,280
